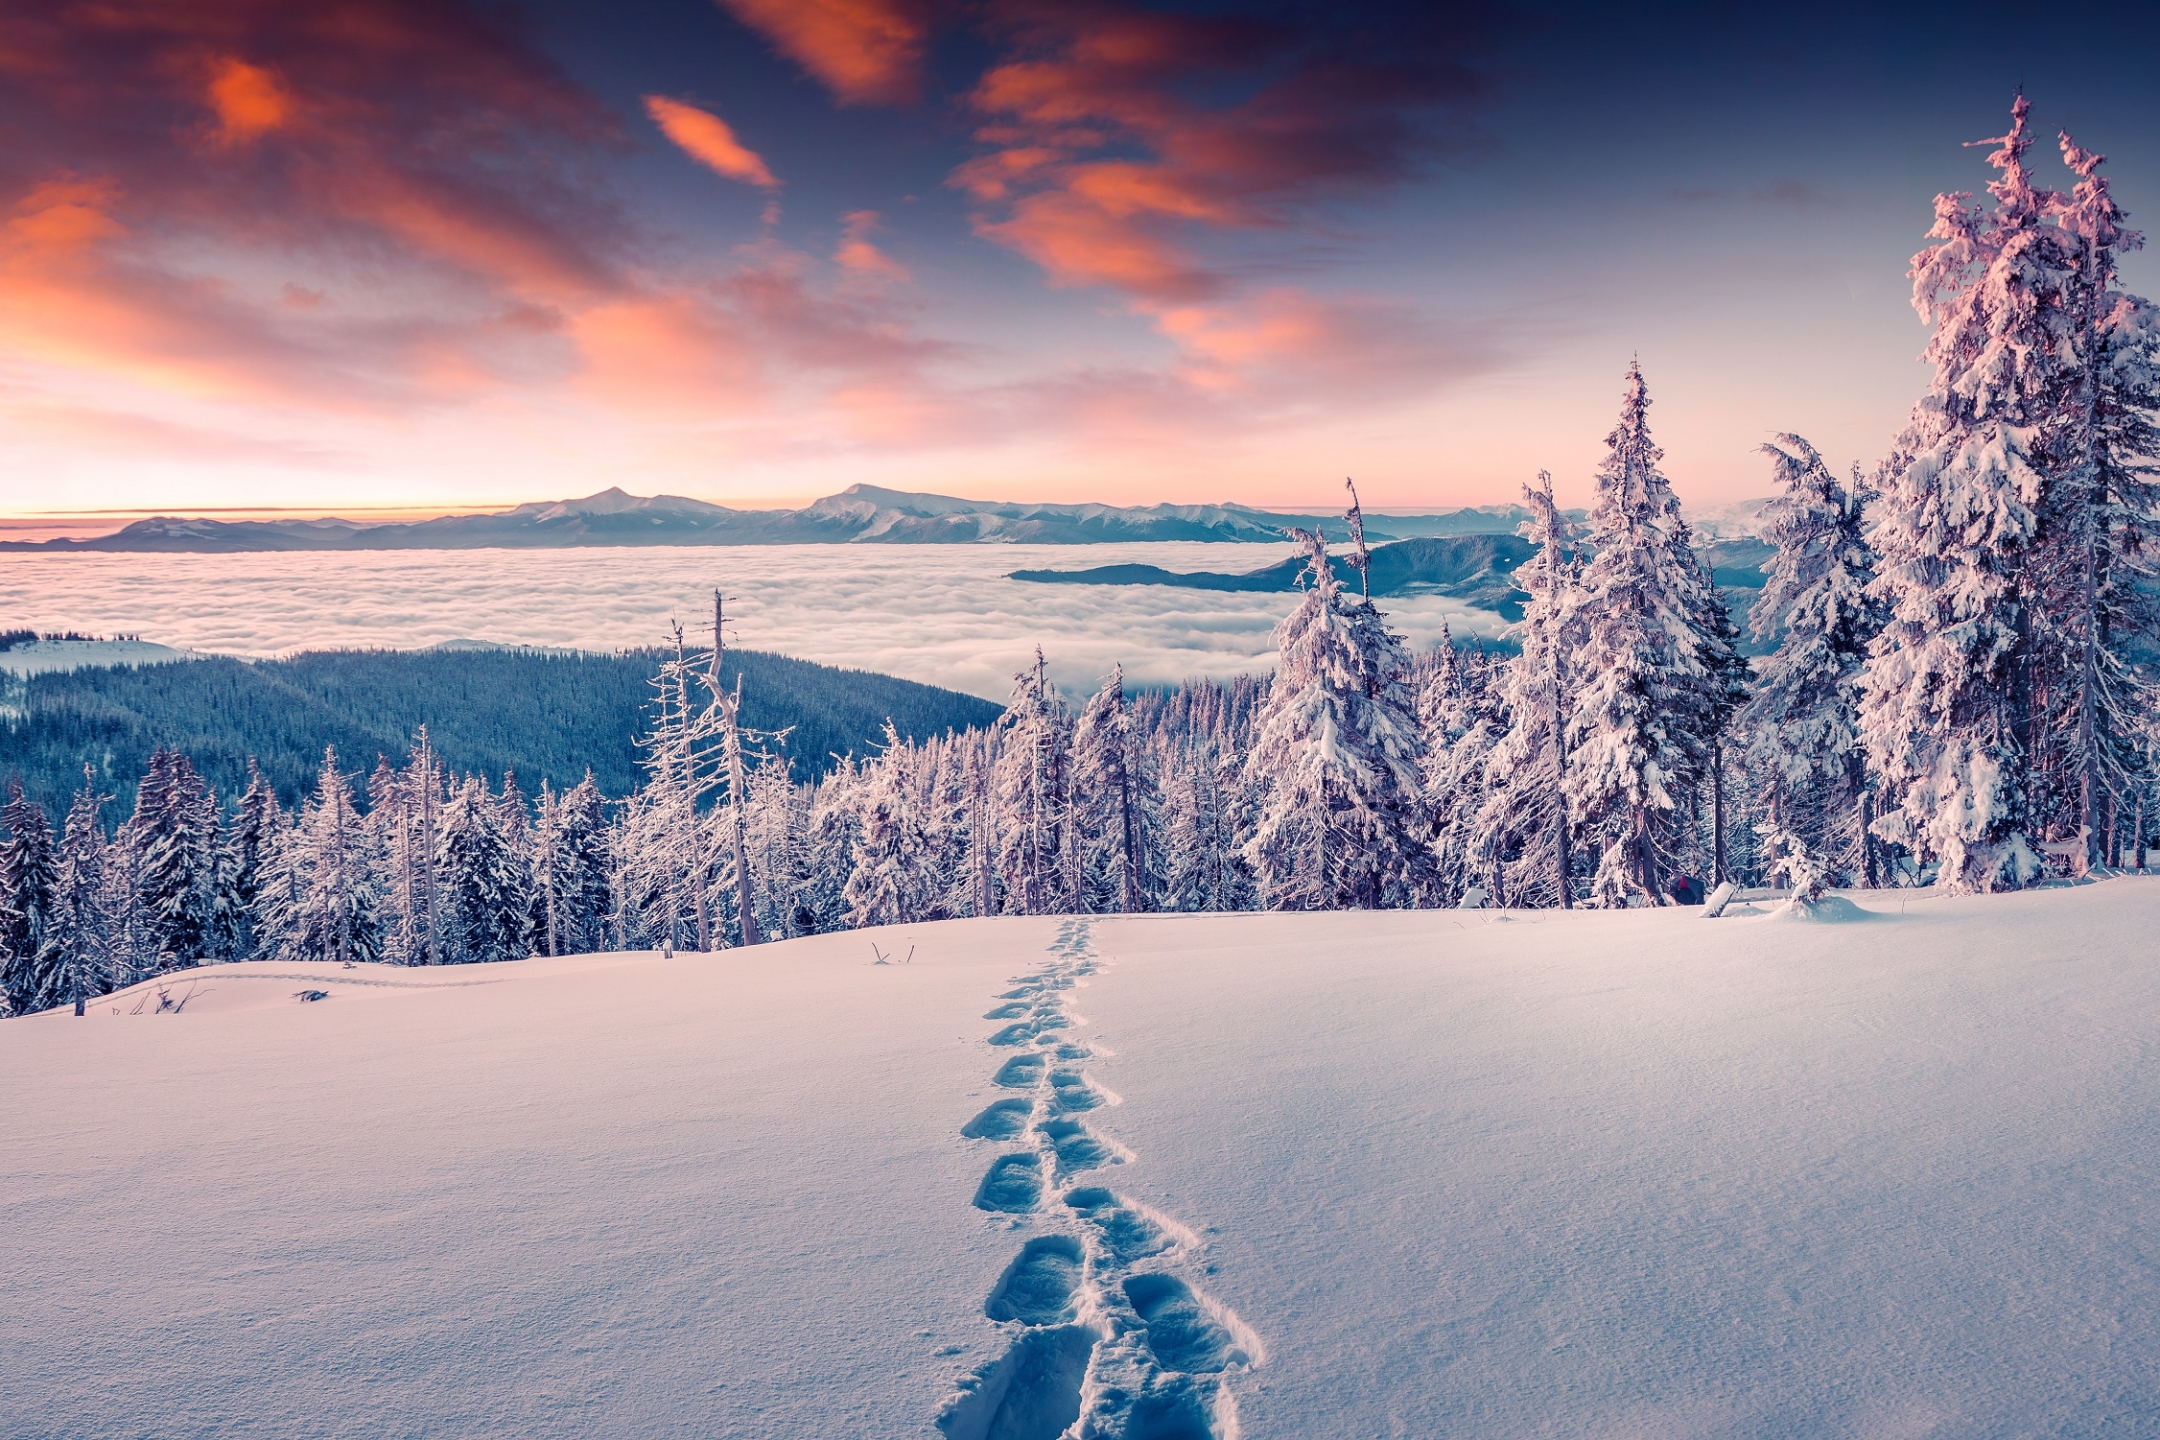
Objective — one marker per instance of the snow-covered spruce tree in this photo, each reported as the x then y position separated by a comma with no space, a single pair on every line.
2099,522
979,861
131,939
1202,851
1114,802
331,912
176,825
1034,808
479,881
1462,717
1343,823
570,870
893,876
1803,722
1519,841
521,894
28,872
257,822
673,846
1954,709
778,840
1654,685
77,959
835,829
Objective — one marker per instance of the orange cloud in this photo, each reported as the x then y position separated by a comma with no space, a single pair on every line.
707,139
248,100
867,52
1080,243
858,255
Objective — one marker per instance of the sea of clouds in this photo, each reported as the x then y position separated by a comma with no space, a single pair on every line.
943,614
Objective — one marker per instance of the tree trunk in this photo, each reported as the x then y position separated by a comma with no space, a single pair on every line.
1717,812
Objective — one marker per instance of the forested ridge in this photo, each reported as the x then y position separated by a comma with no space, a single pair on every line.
542,715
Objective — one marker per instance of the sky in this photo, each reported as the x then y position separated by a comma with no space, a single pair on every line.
406,256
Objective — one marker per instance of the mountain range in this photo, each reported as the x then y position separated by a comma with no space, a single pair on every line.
861,514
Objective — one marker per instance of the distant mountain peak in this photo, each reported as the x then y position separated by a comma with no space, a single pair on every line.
861,514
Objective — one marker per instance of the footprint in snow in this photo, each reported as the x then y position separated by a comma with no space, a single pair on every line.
1013,1184
999,1120
1078,1148
1042,1285
1007,1012
1031,1393
1073,1090
1129,1230
1019,1073
1183,1333
1015,1034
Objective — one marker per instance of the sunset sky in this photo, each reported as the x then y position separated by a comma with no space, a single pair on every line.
438,254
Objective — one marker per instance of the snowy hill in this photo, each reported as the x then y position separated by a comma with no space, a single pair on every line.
51,657
1423,1174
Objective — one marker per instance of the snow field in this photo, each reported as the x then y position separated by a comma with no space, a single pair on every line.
1400,1173
608,1195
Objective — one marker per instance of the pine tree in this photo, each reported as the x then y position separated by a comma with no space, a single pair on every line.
28,873
1115,803
256,826
893,878
1459,718
1803,722
521,891
1343,822
1034,781
2098,519
477,881
1653,689
1948,702
1203,861
176,826
328,908
77,959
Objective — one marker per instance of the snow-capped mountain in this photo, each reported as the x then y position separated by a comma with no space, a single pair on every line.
861,514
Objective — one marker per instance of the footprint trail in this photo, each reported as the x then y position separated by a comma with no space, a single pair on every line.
1109,1338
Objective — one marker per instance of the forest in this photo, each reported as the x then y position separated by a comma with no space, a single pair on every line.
1961,694
538,714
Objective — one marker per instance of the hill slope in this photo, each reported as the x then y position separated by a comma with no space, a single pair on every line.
489,710
1417,1174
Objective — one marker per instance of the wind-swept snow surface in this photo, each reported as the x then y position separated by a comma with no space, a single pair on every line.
1438,1173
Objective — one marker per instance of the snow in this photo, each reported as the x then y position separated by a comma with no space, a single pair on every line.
1413,1173
43,657
941,614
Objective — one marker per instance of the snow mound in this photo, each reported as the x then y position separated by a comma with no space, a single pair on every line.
1584,1173
1829,910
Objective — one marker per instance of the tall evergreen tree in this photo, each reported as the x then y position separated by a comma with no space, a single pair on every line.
1653,688
78,960
1034,785
1521,834
330,909
180,879
1115,803
893,878
1803,722
2099,518
1342,824
28,872
478,881
253,836
1948,703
